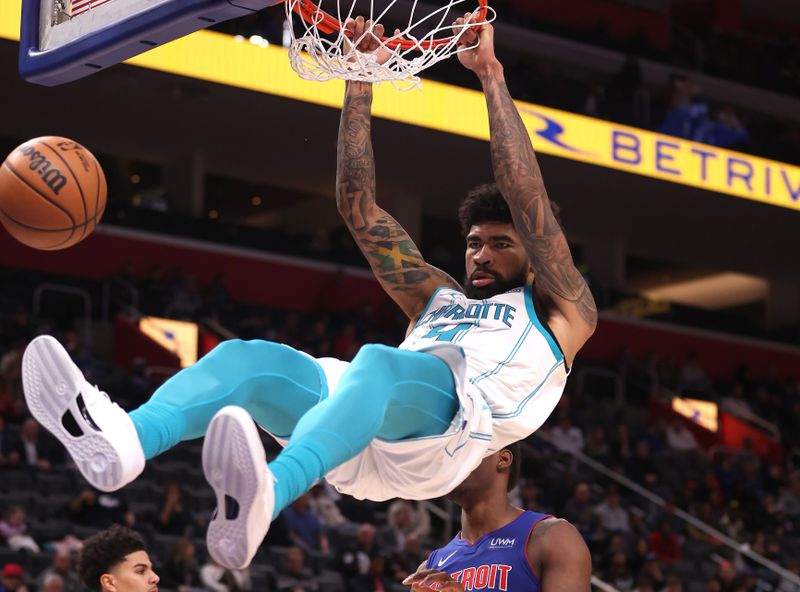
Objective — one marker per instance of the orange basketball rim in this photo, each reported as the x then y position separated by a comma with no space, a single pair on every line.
327,23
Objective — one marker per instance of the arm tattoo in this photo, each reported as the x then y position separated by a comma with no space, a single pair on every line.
393,256
519,179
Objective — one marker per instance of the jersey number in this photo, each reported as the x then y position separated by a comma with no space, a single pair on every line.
447,332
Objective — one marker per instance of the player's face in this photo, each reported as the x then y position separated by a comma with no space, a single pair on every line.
477,483
134,574
495,260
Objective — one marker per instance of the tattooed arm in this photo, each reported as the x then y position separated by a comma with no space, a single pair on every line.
393,256
573,314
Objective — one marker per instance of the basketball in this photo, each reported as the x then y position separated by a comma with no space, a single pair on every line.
52,193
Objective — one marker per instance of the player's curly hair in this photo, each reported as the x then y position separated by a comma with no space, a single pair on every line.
516,465
102,551
485,203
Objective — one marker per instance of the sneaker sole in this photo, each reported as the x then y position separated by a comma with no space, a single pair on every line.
235,466
51,389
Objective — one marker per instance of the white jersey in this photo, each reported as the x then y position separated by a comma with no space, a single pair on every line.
509,374
511,357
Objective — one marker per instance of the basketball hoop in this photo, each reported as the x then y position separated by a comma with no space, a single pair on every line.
321,50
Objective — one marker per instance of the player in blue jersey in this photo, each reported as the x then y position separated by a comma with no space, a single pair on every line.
501,547
481,367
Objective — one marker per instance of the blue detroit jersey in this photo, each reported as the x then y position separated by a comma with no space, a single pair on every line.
497,560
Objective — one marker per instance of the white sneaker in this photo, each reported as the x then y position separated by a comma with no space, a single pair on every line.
98,434
236,467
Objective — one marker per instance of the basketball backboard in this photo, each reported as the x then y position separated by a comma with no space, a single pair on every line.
63,40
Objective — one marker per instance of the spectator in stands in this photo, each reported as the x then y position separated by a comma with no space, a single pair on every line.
655,435
421,520
597,445
62,567
579,510
692,378
347,344
621,448
735,403
683,107
691,118
354,558
259,325
567,437
614,544
216,578
613,517
155,291
403,519
652,571
52,583
668,374
304,527
674,584
618,573
293,575
406,561
665,543
375,579
99,509
9,456
36,450
12,404
79,352
727,577
11,579
138,384
289,332
180,571
186,301
641,468
21,329
529,496
323,504
697,541
680,438
793,566
217,299
14,530
173,518
684,453
399,521
625,93
316,341
789,499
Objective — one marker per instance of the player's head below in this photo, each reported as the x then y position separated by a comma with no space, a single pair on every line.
115,560
495,258
491,480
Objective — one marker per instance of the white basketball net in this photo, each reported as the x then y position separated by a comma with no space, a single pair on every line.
315,55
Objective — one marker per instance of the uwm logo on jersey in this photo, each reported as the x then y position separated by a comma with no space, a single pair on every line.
484,577
501,543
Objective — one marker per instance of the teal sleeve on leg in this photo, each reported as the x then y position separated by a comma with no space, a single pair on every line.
386,392
275,383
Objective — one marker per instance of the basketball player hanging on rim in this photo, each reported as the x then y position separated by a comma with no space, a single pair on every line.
481,366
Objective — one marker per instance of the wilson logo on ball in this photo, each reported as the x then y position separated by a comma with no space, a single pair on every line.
52,193
52,176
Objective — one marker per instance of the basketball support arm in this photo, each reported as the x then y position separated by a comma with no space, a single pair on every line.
113,44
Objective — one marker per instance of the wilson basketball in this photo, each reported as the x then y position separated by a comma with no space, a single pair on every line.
52,193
